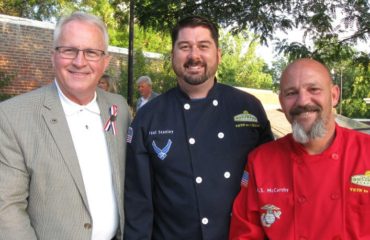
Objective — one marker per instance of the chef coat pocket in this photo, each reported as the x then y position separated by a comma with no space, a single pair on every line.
358,207
357,219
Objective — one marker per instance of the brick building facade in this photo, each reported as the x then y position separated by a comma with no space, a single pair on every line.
25,54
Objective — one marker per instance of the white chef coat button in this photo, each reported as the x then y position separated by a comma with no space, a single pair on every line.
186,106
227,174
220,135
215,102
198,180
191,141
205,221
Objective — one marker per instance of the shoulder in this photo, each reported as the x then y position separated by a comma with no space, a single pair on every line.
159,105
354,135
279,147
112,97
27,101
159,101
236,94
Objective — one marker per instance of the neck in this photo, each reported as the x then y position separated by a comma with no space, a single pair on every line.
197,91
317,146
146,97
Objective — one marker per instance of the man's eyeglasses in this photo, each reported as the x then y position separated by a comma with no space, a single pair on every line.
89,54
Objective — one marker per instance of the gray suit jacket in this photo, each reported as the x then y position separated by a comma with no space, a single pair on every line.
139,100
42,194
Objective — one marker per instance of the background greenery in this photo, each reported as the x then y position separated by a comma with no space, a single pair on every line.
245,25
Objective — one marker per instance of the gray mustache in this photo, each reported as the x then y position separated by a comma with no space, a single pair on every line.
307,108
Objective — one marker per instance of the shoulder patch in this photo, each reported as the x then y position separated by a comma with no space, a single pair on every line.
130,134
245,179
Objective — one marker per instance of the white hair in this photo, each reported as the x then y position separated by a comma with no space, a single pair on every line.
144,79
83,17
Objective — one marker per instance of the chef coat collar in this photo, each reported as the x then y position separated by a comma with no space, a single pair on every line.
213,92
299,150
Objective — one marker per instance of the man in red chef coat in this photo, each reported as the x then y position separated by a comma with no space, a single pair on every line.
313,183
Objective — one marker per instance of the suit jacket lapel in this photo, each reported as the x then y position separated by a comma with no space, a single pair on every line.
56,121
104,105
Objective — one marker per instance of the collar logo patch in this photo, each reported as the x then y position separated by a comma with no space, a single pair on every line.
361,179
271,214
162,153
245,117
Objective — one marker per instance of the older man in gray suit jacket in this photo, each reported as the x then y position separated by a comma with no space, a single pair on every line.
144,85
62,147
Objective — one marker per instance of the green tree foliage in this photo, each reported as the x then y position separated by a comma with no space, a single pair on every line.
263,17
4,81
159,70
356,86
318,19
350,70
240,66
43,10
277,67
34,9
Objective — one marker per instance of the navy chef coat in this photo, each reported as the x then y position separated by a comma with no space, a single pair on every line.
185,160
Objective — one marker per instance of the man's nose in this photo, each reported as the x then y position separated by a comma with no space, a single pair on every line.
303,98
194,52
80,59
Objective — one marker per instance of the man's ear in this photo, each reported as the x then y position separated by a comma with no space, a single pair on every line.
219,55
107,61
335,95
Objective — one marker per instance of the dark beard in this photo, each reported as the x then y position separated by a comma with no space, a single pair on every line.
195,80
192,80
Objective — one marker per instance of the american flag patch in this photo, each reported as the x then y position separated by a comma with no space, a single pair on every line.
130,133
245,179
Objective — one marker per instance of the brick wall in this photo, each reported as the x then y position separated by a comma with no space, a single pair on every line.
25,54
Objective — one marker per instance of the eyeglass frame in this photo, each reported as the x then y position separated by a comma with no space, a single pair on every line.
77,51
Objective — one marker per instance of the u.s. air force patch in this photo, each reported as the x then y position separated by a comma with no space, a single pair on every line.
271,214
245,119
162,153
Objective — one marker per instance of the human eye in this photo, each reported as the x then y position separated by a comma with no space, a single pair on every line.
204,46
68,51
92,53
315,90
184,47
290,93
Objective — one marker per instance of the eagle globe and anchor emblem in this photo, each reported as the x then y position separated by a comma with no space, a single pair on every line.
271,215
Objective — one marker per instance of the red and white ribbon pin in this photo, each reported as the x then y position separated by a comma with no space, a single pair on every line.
111,123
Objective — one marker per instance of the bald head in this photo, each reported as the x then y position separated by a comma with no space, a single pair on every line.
305,67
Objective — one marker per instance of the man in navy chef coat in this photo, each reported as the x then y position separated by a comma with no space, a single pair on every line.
187,148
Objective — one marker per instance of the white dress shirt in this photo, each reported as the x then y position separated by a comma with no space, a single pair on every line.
86,127
143,101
